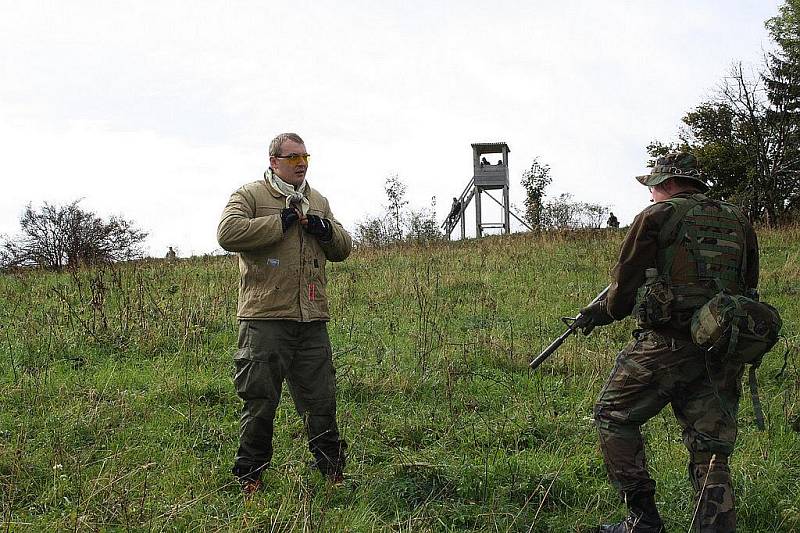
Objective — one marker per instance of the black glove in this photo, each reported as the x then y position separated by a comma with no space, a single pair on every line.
319,227
288,217
592,316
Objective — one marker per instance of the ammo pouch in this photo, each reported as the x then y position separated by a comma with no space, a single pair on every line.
737,328
654,301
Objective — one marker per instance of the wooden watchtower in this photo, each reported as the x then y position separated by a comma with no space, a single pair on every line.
490,172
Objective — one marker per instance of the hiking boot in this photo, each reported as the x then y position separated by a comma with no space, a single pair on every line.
633,524
250,486
643,516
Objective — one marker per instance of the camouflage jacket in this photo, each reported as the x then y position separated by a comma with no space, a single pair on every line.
282,275
640,251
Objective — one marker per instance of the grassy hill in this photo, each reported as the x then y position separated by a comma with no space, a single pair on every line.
117,410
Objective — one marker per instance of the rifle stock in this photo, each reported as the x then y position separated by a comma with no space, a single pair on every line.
570,322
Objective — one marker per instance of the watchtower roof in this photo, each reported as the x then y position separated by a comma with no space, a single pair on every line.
489,148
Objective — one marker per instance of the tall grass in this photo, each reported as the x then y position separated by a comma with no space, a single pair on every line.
117,410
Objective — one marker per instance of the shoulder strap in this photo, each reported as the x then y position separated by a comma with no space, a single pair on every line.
680,206
757,409
741,218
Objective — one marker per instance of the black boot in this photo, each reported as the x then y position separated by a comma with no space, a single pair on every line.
642,518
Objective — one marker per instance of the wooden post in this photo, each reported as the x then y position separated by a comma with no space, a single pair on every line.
478,228
506,211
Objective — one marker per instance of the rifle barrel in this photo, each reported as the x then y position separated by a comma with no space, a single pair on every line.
564,336
555,345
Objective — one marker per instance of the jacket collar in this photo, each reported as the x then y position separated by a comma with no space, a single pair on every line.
274,192
277,194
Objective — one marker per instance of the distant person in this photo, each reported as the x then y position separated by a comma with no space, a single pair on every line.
500,162
662,366
284,232
612,221
171,255
484,161
454,210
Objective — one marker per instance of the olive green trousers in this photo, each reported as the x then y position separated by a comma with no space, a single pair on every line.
271,351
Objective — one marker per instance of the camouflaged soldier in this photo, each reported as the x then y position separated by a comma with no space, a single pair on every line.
678,253
284,232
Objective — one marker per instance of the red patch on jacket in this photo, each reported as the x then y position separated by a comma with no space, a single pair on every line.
312,292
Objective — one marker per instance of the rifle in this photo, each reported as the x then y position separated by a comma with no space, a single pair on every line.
571,328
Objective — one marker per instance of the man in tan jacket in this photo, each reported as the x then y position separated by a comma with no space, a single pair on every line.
284,232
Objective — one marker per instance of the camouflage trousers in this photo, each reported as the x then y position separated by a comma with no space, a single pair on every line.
269,352
651,372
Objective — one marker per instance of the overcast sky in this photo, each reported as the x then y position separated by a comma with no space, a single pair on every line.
157,111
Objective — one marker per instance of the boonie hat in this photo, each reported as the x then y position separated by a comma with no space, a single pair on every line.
675,165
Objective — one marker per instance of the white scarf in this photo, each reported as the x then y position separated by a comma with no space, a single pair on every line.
295,196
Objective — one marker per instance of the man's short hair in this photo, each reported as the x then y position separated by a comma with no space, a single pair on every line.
681,183
277,142
686,183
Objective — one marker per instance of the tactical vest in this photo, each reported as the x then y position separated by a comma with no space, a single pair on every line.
701,252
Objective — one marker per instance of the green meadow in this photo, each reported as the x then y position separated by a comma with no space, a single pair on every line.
117,410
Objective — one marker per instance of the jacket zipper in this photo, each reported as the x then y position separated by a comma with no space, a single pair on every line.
302,272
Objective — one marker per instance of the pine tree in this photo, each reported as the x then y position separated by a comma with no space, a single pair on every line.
782,82
783,73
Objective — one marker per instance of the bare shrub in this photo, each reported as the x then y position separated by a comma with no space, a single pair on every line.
54,237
